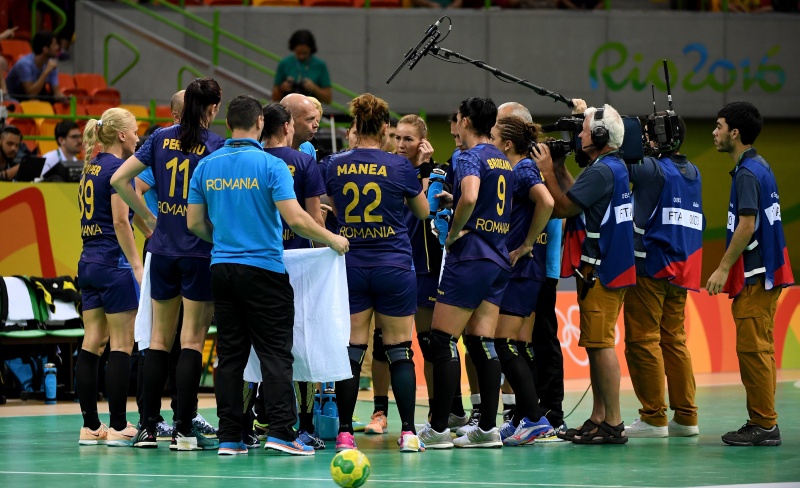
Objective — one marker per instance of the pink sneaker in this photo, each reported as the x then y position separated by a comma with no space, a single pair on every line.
345,441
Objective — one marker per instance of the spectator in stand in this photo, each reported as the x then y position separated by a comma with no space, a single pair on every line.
10,141
35,75
57,161
6,34
302,72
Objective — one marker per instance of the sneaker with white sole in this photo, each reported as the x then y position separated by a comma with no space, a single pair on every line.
261,430
145,439
345,441
552,438
194,441
528,431
378,424
409,442
295,447
454,421
311,439
472,423
164,431
479,438
202,426
641,429
232,448
435,440
679,430
507,430
121,438
97,437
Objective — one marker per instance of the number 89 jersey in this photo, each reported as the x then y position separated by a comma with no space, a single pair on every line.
490,220
369,188
172,171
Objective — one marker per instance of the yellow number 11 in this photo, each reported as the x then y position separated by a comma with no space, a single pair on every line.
175,167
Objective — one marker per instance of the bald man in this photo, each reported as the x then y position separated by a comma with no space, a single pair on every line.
176,106
305,115
514,109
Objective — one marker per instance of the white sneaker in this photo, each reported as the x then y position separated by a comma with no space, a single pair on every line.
480,438
678,430
454,421
435,440
640,428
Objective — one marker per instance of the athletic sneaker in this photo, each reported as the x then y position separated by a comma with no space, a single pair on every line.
97,437
479,438
121,438
435,440
454,421
295,447
232,448
378,424
261,430
678,430
507,430
409,442
474,419
358,425
249,439
311,439
554,436
203,427
164,430
145,439
345,441
195,441
527,431
640,428
753,435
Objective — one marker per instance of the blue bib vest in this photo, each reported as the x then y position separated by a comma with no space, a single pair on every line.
615,266
673,236
767,240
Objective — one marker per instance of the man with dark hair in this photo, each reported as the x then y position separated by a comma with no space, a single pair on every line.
253,299
668,243
753,270
10,140
35,75
59,160
302,72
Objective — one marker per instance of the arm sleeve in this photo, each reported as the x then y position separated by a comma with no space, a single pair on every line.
468,164
52,78
145,153
411,183
747,192
591,185
643,173
147,177
195,186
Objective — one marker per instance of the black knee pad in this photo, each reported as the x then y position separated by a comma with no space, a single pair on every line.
378,349
506,349
443,347
399,353
356,352
424,340
481,349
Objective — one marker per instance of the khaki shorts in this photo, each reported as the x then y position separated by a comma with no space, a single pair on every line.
599,311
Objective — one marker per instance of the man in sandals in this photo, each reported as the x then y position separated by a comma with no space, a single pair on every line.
753,270
598,251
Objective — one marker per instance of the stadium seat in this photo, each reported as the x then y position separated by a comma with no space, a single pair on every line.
48,129
36,107
16,48
95,110
28,128
379,3
65,81
327,3
164,111
78,93
106,95
276,3
89,81
142,115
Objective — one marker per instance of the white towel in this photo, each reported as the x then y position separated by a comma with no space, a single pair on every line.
321,317
144,316
20,308
63,311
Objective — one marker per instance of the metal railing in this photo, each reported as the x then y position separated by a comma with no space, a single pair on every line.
125,43
54,8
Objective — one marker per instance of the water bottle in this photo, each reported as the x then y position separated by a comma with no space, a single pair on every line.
435,186
442,224
50,383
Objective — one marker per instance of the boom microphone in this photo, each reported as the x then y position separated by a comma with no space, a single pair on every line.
416,53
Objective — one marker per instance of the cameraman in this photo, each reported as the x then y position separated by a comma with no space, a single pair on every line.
668,241
602,187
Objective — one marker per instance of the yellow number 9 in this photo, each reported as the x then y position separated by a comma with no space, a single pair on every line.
501,194
88,196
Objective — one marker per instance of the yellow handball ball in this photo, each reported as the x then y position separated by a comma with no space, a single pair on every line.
350,468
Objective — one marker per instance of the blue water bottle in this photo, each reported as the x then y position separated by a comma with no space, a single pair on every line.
442,224
435,186
50,383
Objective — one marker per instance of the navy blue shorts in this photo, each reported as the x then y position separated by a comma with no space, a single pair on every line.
187,276
108,287
468,283
389,290
427,284
520,297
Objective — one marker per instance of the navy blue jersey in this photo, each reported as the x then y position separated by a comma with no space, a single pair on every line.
100,243
307,183
526,175
369,188
172,170
491,217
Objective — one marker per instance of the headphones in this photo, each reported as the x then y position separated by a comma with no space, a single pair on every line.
600,134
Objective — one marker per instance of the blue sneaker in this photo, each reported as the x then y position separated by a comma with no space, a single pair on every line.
507,430
527,431
231,448
295,447
311,439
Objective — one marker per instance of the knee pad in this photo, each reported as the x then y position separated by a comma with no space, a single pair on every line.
506,349
378,349
424,340
443,347
399,353
481,349
356,353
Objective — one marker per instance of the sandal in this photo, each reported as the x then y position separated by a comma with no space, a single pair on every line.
571,434
604,434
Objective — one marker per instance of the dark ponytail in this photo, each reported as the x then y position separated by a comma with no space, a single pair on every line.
482,113
275,116
200,93
371,114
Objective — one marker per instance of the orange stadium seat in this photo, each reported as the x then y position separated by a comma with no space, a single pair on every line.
28,128
142,115
79,93
95,110
89,81
328,3
106,95
48,129
16,48
65,81
164,111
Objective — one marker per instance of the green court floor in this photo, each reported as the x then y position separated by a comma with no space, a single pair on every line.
41,451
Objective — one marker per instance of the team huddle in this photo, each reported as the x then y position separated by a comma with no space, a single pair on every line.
458,250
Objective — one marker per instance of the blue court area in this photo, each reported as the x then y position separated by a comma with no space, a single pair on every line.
43,450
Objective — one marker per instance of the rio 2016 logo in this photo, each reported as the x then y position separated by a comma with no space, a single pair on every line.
718,74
